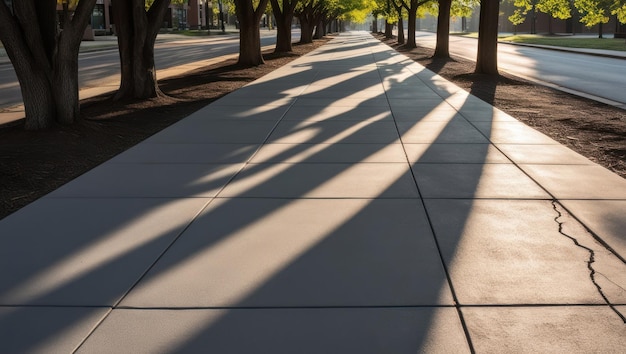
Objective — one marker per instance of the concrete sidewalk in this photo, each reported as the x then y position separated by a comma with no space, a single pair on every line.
349,202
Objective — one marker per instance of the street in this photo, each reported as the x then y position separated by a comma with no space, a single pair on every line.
598,76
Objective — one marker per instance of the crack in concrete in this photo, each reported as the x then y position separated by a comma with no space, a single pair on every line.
592,254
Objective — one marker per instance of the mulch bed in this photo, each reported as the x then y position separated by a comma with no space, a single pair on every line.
34,163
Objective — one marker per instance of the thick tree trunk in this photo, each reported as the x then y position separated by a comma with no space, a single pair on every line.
65,65
65,82
46,64
136,35
284,19
249,31
443,30
306,31
283,37
33,79
39,105
487,58
375,24
249,44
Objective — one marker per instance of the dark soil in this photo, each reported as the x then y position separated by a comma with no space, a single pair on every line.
594,130
33,164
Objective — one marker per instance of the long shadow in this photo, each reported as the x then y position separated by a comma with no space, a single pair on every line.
87,236
295,270
296,281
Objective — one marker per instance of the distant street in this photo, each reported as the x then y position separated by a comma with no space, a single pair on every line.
598,76
102,67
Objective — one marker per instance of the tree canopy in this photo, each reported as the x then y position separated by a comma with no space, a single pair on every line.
593,12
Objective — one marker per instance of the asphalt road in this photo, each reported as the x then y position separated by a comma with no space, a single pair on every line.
598,76
100,68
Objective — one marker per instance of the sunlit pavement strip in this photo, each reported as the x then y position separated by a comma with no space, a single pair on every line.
349,202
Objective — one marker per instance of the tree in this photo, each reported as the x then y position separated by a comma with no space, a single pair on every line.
555,8
249,17
446,8
487,58
309,12
560,9
412,7
596,12
283,12
443,30
397,5
137,23
45,59
375,14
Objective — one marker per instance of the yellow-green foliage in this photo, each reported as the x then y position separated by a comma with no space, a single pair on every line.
463,8
556,8
620,11
593,11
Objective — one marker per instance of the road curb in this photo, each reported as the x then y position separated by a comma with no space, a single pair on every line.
568,50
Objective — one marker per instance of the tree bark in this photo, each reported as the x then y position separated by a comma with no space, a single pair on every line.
65,65
136,35
306,31
487,58
284,18
443,30
249,31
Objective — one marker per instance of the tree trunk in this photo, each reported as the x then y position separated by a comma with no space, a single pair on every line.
319,30
46,64
600,30
39,105
65,81
284,19
33,79
375,24
136,35
249,31
283,36
487,58
249,44
306,31
65,65
410,43
388,30
400,25
443,30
